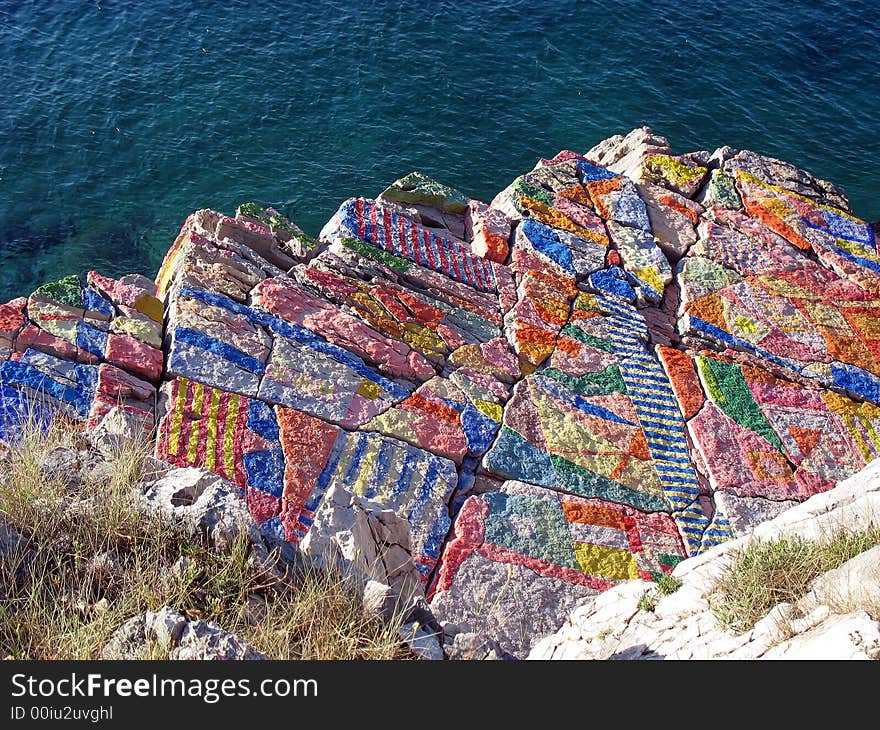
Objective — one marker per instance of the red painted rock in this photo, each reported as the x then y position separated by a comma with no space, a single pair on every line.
33,337
134,356
12,319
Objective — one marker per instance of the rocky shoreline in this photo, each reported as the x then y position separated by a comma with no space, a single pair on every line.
494,411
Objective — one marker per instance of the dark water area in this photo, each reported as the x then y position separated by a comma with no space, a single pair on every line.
120,118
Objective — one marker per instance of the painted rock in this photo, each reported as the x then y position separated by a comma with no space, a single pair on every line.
555,549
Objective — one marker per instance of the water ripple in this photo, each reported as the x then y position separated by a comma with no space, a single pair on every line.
117,122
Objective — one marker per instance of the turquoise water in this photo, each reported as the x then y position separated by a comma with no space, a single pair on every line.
120,118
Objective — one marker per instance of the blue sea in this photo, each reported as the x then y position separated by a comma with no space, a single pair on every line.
119,118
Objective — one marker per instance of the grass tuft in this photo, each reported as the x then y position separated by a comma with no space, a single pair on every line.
765,574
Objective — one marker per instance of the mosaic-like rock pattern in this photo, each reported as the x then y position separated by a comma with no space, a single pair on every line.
66,352
562,548
624,358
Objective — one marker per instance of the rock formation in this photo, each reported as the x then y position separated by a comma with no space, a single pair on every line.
625,358
836,619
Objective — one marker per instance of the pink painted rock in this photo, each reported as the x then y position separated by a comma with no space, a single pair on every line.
256,236
119,389
33,337
134,356
116,291
293,304
673,218
488,230
12,319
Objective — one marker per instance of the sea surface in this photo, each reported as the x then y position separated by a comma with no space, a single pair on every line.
120,118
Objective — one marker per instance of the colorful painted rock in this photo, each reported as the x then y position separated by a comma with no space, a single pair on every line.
628,357
522,557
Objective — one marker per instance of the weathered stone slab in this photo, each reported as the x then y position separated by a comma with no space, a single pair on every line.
290,239
417,188
130,353
642,257
367,543
197,260
760,436
720,190
116,388
624,154
842,242
543,308
538,246
555,549
13,317
745,513
413,483
772,171
673,218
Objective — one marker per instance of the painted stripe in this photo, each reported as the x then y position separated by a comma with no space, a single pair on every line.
240,426
406,246
359,207
211,444
367,468
453,259
178,398
219,451
229,435
343,440
373,233
219,348
430,248
468,268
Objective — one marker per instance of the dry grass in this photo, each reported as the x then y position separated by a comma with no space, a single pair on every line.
92,558
765,574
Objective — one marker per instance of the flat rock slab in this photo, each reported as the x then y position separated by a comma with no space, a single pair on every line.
522,556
